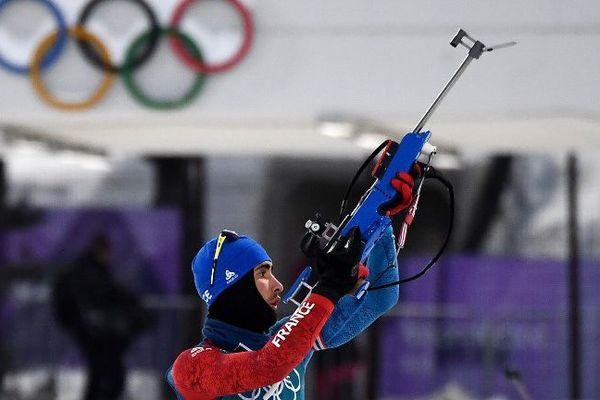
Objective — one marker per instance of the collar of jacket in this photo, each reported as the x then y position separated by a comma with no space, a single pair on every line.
229,337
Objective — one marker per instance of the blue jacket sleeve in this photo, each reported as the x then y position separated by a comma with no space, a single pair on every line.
171,383
352,316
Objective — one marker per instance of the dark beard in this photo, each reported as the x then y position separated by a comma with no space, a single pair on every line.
241,305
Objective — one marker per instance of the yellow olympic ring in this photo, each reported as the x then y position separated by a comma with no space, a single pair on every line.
36,75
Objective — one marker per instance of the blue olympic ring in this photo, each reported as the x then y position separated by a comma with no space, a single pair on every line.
56,49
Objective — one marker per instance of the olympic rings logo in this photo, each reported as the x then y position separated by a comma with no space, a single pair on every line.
139,51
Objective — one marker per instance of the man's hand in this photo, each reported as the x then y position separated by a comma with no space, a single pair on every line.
338,268
404,184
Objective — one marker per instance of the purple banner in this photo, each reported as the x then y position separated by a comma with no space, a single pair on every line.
146,243
146,246
470,318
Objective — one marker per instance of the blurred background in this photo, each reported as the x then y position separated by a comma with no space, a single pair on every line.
134,169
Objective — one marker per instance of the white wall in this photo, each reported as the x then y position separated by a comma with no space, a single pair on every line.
384,60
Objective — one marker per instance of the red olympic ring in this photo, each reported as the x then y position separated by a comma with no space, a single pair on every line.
200,66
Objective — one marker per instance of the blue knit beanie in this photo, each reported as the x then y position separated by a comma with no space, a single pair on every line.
238,255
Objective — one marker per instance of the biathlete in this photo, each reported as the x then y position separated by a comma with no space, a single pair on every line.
246,353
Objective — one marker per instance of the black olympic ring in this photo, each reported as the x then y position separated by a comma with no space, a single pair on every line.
92,55
138,53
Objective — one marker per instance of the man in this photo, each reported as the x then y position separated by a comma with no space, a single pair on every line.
245,353
102,316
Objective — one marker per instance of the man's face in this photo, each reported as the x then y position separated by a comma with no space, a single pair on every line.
267,285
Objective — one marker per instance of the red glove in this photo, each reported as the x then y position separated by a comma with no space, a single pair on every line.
363,271
404,184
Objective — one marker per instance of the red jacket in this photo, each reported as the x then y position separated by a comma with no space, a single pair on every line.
205,372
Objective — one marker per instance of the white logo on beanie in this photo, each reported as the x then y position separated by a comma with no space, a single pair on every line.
230,275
